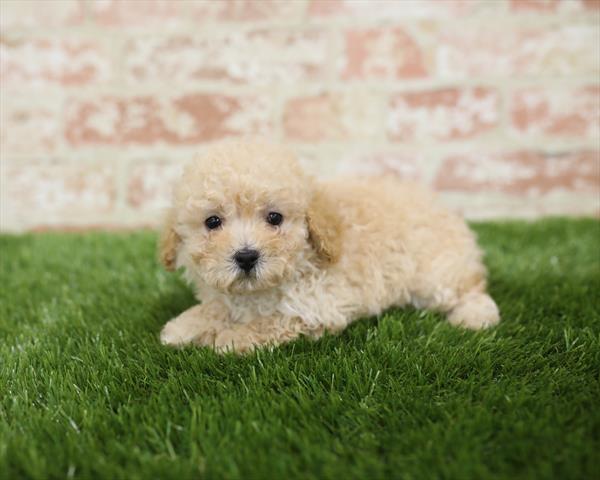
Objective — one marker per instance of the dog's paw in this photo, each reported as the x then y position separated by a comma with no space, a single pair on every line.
476,312
175,335
235,340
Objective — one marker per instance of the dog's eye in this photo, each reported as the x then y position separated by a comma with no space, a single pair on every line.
274,218
212,222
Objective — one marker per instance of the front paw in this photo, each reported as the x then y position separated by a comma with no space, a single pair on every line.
177,334
174,335
238,341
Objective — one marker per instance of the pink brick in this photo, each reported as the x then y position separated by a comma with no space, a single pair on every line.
247,10
28,127
557,112
40,62
553,6
521,173
138,13
176,13
403,166
398,9
370,163
256,57
185,120
150,185
25,14
492,50
331,116
387,53
446,114
35,189
534,5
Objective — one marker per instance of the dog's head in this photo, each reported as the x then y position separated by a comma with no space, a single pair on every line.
245,218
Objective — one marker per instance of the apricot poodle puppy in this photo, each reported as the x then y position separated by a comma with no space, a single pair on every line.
273,254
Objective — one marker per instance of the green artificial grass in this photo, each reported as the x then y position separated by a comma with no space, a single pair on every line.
86,390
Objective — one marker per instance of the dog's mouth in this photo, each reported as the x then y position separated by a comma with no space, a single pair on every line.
245,283
264,275
257,279
246,277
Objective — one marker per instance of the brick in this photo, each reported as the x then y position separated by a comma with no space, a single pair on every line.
534,5
564,50
445,114
526,173
26,14
184,120
256,57
41,62
371,163
149,185
397,10
138,13
83,226
553,6
404,166
247,10
557,112
382,53
331,116
176,13
29,126
483,206
45,189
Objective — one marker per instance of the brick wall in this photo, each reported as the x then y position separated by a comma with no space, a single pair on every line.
494,103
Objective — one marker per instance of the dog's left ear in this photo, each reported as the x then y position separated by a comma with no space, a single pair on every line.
324,226
169,243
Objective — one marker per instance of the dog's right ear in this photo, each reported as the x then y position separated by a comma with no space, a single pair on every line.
324,226
169,243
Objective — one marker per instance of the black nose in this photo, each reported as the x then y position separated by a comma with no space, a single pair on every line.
246,259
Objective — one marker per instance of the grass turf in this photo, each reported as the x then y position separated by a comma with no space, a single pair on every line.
86,390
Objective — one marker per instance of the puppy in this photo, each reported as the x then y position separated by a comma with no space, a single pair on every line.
274,255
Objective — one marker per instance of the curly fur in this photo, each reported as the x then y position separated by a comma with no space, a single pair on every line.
345,250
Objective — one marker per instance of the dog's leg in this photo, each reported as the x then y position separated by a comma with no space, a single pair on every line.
475,310
264,332
197,325
460,293
206,325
